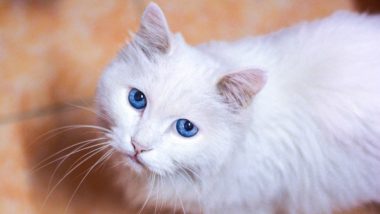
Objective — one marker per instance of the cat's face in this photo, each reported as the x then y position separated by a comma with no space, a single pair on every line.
167,109
170,108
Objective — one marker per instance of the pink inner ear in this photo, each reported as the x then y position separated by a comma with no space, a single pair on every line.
154,34
239,88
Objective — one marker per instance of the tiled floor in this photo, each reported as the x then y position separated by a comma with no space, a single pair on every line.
51,55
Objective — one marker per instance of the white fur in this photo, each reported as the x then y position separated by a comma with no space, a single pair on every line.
308,143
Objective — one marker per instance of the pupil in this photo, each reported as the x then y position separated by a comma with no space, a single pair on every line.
139,96
188,126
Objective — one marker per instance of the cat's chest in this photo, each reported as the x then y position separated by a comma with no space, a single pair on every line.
221,189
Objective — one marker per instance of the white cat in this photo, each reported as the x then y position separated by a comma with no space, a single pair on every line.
283,123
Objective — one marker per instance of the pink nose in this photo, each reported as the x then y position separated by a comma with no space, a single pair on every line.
138,148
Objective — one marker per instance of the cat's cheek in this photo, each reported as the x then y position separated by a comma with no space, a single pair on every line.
157,163
121,140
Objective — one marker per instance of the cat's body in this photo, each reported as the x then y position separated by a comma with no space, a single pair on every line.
315,126
306,140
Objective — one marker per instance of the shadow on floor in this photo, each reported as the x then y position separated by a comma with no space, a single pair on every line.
367,6
97,190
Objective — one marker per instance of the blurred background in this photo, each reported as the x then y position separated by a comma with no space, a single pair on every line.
51,55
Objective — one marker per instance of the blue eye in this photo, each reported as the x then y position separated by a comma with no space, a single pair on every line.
137,99
186,128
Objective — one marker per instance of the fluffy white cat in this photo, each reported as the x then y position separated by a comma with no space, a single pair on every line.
283,123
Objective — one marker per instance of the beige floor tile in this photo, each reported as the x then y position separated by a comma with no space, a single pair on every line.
14,188
24,186
54,51
229,19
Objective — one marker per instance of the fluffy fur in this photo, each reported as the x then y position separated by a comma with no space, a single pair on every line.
305,137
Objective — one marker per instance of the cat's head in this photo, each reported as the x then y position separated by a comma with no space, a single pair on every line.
171,107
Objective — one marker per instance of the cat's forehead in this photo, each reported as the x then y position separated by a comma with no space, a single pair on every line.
181,74
178,85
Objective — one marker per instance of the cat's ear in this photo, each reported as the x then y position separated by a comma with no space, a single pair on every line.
239,88
154,34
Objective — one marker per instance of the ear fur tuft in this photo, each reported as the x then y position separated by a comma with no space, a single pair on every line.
239,88
154,34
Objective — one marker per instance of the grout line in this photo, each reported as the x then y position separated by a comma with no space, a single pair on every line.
56,108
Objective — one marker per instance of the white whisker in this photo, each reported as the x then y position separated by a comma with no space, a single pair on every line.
176,195
157,195
98,150
102,158
162,201
86,142
63,129
147,198
107,159
79,159
103,116
187,177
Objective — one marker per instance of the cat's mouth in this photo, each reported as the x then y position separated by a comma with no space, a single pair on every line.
136,163
135,159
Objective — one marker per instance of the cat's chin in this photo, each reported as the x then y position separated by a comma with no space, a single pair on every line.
136,165
131,162
140,167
